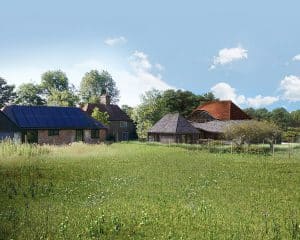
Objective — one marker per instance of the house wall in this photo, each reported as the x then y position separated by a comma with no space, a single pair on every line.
116,130
68,136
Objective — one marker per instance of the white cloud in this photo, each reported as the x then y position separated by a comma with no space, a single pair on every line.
228,55
115,41
260,101
290,86
224,91
296,58
159,67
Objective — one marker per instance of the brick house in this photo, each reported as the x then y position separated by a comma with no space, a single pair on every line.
54,125
121,127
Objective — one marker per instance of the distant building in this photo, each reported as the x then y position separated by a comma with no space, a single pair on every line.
51,125
213,118
173,128
121,127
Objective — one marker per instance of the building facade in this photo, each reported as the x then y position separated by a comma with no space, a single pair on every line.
121,127
53,125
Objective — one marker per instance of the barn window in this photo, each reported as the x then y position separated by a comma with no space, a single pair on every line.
53,132
95,133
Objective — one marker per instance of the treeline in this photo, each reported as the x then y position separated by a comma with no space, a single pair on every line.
289,122
155,104
55,89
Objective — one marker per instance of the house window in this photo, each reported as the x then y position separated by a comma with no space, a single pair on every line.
95,133
123,124
53,132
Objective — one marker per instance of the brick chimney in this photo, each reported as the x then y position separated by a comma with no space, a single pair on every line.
105,99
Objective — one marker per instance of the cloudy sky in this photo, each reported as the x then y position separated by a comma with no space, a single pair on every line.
246,51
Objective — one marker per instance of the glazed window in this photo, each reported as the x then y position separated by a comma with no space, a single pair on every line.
53,132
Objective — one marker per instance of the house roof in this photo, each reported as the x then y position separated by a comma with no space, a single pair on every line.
173,123
46,117
114,111
223,110
6,124
216,126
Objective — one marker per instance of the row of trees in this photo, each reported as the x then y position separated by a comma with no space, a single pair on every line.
55,89
283,118
155,104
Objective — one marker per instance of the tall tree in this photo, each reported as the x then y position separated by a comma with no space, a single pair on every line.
29,94
65,98
281,117
295,115
94,84
183,102
7,93
56,80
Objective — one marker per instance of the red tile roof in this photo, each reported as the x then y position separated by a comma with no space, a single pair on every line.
223,110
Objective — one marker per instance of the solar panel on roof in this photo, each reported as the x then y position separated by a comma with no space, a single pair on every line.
44,117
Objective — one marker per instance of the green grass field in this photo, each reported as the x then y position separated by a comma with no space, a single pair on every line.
140,191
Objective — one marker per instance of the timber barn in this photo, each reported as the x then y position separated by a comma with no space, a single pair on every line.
173,128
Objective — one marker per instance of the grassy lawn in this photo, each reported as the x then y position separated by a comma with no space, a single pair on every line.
139,191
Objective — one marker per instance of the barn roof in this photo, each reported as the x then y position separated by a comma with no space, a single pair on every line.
114,111
46,117
173,123
216,126
223,110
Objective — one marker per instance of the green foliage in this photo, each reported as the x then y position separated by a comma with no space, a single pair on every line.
65,98
29,94
127,109
155,104
282,118
143,191
94,84
252,132
183,102
54,80
295,115
7,93
100,116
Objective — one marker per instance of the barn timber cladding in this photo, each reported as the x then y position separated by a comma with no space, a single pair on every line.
39,123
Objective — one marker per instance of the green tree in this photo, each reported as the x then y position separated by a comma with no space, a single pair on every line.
127,109
281,117
65,98
100,116
29,94
295,116
94,84
253,132
7,93
148,112
54,80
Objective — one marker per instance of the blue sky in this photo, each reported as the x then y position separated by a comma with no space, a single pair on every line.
245,51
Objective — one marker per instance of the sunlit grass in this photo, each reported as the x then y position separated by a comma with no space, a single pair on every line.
147,191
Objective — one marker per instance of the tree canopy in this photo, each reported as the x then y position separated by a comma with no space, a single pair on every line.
95,83
54,80
29,94
100,116
7,93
